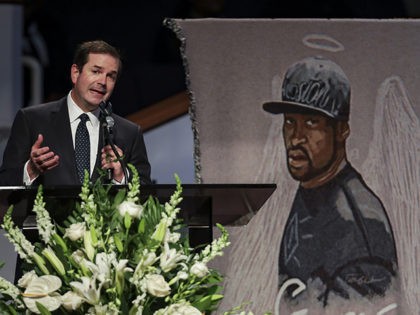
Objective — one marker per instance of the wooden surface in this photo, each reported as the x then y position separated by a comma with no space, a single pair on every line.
161,112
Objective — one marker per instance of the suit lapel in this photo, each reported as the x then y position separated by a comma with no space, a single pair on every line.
63,143
95,174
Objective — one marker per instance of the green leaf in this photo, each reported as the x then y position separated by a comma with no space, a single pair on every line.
60,242
42,309
208,302
127,221
119,197
7,309
93,235
118,243
142,226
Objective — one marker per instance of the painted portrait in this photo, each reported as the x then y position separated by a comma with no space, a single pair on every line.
328,111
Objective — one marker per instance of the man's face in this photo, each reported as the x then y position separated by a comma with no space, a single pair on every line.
310,145
95,82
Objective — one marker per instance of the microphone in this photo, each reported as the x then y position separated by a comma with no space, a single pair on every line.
107,124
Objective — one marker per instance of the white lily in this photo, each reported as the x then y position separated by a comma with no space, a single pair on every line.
101,269
147,259
170,258
87,290
71,301
120,269
42,290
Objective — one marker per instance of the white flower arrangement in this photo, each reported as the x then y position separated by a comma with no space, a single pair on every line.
113,255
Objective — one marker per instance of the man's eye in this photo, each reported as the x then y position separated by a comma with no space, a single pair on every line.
311,122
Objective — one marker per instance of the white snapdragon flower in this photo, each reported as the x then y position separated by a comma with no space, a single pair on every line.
42,290
199,269
71,301
43,220
134,210
139,299
157,286
75,231
172,237
14,234
8,288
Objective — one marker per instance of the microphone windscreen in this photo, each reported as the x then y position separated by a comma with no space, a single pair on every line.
109,121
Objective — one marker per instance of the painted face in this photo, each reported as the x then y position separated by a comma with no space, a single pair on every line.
95,81
310,145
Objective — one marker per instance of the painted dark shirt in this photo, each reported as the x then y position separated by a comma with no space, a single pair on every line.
339,233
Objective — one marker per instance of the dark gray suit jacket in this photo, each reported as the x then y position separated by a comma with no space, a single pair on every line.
52,121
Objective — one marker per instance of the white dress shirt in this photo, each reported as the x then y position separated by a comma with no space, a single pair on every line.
93,127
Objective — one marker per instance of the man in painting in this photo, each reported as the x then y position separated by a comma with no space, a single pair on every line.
337,234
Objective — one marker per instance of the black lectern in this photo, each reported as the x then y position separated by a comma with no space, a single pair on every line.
202,207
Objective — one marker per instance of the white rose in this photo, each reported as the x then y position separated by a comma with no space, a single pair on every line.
134,210
187,310
71,301
178,309
75,231
199,269
182,275
27,278
157,286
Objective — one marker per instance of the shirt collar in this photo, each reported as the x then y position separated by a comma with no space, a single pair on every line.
75,111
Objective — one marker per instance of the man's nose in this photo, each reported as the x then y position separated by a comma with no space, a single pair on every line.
298,136
103,79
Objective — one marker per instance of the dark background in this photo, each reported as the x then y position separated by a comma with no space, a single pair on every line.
152,67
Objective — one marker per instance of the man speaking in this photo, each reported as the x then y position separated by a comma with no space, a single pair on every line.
56,142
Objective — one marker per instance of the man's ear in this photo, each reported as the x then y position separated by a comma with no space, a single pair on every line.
74,73
343,130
